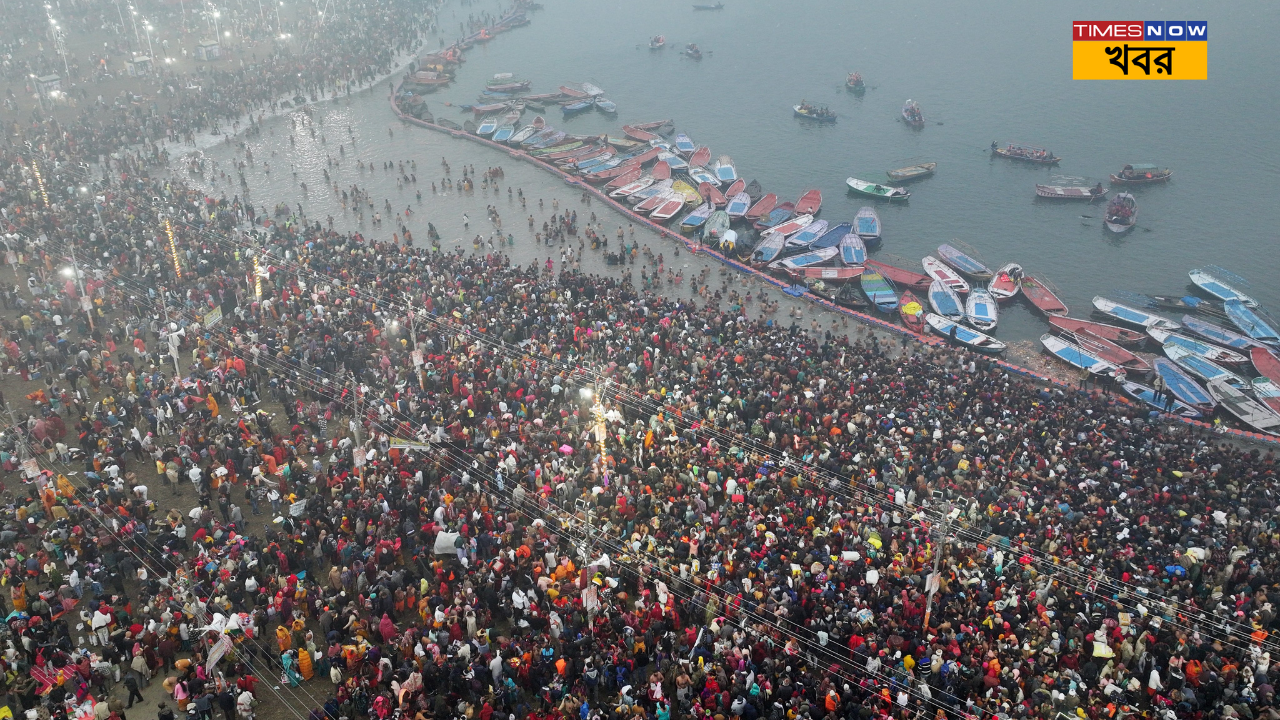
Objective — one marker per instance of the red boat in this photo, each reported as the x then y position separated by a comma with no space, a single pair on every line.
700,157
1042,297
911,312
609,174
809,203
1109,351
904,279
712,194
661,170
570,92
636,133
642,158
829,274
1115,334
763,206
580,151
626,178
738,186
1266,363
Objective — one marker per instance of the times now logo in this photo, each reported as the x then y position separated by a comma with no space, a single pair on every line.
1149,30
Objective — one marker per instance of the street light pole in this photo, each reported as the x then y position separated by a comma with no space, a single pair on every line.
934,581
85,301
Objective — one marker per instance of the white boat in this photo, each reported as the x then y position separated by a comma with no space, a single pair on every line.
525,133
876,190
1203,349
661,187
634,186
945,301
936,269
963,335
1006,283
591,90
981,310
867,224
1132,315
807,235
1201,368
852,250
1075,356
725,171
1218,288
684,145
1148,396
805,259
1249,411
701,175
738,205
768,248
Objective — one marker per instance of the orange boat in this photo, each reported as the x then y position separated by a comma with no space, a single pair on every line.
713,194
809,203
763,206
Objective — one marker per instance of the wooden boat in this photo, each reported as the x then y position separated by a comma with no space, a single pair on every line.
570,151
1071,192
717,6
1147,395
735,187
632,187
626,178
537,138
725,171
595,170
1043,298
911,312
1182,386
684,145
1219,289
623,143
555,137
1142,174
945,301
657,42
538,125
768,248
964,264
852,249
608,107
833,237
1075,356
1248,411
712,193
504,132
792,226
1121,214
903,278
577,108
700,157
1097,329
912,172
1026,153
448,124
1007,282
754,190
508,87
911,114
1250,323
636,133
673,161
1109,351
826,274
1267,392
810,203
654,125
591,90
1209,352
854,82
936,269
715,228
1219,334
687,191
661,170
1131,314
470,127
692,52
577,162
819,114
806,259
1265,362
481,110
738,205
981,310
876,190
806,236
1204,369
851,296
762,207
960,334
648,199
778,215
695,219
488,125
668,208
867,224
879,290
701,175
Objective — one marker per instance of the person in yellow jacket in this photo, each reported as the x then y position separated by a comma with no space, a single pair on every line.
213,405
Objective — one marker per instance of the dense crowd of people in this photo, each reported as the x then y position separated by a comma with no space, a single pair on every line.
251,451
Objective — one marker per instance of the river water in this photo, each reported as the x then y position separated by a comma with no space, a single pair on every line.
995,71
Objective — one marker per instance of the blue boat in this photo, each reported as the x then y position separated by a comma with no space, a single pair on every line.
867,225
1249,322
880,291
555,137
488,125
694,220
608,107
684,145
963,335
945,302
776,216
1219,289
1132,314
852,250
504,133
806,236
1148,396
577,108
832,238
1218,334
1181,385
601,164
538,137
1202,368
1074,355
981,310
738,205
964,263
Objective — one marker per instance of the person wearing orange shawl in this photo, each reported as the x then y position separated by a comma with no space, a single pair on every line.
284,638
304,663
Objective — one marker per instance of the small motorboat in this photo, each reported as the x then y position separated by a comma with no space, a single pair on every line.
876,190
960,334
1107,332
1075,356
1142,174
809,203
833,236
713,194
1248,411
725,171
1219,334
684,145
911,114
1209,352
852,249
1249,322
778,215
608,107
806,236
879,290
1132,314
696,218
1042,297
911,312
964,263
854,82
816,113
1071,192
1007,282
717,6
945,301
1121,214
867,224
1204,369
1182,386
903,278
1218,288
692,52
912,172
1147,395
981,310
762,207
657,42
936,269
738,205
1025,153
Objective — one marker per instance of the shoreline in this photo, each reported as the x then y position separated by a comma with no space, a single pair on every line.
694,248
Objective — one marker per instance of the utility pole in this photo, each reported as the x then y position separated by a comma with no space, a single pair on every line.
85,302
934,580
359,420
